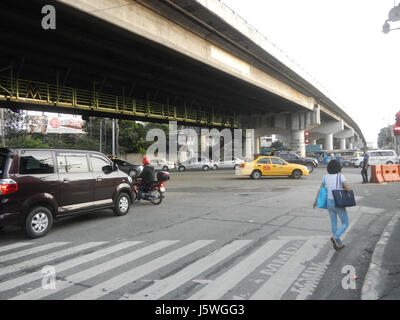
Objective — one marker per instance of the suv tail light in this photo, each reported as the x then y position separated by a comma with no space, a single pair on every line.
8,186
242,165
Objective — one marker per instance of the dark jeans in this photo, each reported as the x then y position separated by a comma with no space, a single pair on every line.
364,174
140,191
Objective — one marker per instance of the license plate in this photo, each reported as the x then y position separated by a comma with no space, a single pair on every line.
162,189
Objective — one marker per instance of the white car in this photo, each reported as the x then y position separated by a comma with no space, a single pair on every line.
380,157
161,164
377,157
200,163
232,163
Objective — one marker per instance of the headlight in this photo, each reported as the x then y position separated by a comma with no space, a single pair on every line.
130,179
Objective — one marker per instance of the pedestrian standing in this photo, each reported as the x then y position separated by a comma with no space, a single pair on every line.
364,167
335,180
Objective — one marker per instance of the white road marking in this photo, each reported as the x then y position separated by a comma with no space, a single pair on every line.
275,287
33,250
121,280
46,258
10,284
164,286
94,271
14,246
231,278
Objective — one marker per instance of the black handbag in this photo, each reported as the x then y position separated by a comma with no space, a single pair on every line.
343,198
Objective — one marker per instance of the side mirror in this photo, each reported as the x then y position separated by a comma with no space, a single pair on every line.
114,166
107,169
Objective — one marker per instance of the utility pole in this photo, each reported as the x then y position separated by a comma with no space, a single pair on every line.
3,141
101,134
113,137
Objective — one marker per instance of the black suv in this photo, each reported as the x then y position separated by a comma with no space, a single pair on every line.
292,157
39,185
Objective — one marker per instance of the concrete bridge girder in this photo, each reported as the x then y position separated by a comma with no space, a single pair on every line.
147,23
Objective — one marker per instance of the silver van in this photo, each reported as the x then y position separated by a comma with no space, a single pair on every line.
381,157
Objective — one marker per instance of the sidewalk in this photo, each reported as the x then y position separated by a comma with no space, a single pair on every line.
382,280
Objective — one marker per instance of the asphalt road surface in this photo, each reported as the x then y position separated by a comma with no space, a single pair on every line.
215,236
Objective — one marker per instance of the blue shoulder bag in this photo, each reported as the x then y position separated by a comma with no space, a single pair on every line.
322,201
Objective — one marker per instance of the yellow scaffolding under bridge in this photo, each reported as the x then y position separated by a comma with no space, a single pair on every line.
86,101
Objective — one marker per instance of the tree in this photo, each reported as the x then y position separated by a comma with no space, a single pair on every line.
385,140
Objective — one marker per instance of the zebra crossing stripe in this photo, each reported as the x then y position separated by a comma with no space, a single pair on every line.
217,288
162,287
14,246
46,258
28,252
121,280
275,287
94,271
16,282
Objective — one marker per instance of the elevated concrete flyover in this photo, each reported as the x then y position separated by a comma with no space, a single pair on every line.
196,62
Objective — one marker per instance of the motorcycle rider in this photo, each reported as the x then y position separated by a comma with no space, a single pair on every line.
147,176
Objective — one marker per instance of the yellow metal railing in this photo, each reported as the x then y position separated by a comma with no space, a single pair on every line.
35,92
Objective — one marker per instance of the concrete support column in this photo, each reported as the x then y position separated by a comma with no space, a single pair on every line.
297,142
351,143
342,144
257,145
328,141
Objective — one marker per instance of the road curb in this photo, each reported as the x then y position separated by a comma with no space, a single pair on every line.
376,274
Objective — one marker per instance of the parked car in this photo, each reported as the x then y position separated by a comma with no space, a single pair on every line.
231,163
133,170
40,185
272,166
355,161
162,164
292,157
200,163
345,162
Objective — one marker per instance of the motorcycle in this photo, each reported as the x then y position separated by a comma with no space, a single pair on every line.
155,191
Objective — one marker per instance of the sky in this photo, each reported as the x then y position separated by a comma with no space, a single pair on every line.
341,45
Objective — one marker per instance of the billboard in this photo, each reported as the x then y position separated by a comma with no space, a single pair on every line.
45,123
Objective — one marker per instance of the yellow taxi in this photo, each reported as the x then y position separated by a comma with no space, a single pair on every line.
272,166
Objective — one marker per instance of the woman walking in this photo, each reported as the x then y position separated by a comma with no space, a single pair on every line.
334,180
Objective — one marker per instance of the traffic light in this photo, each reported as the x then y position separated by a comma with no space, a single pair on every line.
306,137
396,128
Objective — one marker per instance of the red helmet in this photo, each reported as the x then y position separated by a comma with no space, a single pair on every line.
146,161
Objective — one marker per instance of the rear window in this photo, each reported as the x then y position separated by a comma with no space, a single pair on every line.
36,162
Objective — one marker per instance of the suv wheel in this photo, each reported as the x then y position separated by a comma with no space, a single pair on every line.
181,168
122,204
389,162
206,168
165,168
38,222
